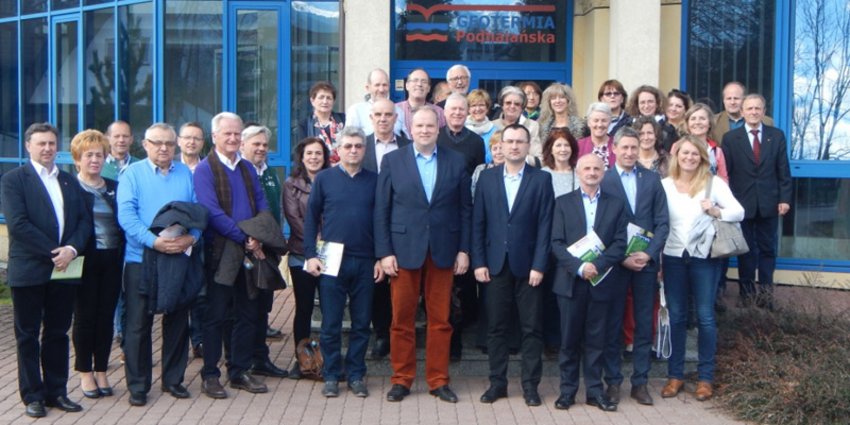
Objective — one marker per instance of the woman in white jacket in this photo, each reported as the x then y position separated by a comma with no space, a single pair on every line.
687,267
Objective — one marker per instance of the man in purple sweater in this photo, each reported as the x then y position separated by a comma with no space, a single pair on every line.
228,186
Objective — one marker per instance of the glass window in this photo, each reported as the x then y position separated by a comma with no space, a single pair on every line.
8,8
730,41
257,69
192,61
33,6
9,90
34,76
820,123
818,225
481,30
315,54
99,63
63,4
90,2
135,70
66,95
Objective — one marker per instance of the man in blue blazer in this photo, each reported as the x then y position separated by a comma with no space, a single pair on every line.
423,211
760,178
584,306
48,227
511,231
646,206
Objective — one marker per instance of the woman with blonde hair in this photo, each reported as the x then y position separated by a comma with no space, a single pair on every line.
698,122
558,111
477,121
694,199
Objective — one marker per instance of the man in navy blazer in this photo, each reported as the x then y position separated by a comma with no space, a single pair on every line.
584,307
423,211
48,227
760,178
511,231
646,206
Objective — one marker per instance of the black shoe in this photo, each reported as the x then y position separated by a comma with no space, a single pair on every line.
613,393
272,333
95,393
36,409
493,393
532,397
105,391
331,389
212,388
138,399
295,372
358,388
198,351
444,393
176,390
267,368
64,404
398,392
641,394
246,381
602,403
563,402
381,348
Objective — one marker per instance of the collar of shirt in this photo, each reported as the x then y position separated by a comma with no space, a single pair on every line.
588,198
227,162
388,142
749,129
155,168
416,153
622,171
517,176
261,169
344,171
44,172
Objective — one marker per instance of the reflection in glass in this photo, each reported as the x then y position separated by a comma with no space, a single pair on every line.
62,4
90,2
34,75
818,225
99,64
66,92
315,54
820,124
33,6
257,69
9,89
135,71
8,8
192,61
730,41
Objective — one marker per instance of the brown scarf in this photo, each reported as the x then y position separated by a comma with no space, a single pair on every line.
224,195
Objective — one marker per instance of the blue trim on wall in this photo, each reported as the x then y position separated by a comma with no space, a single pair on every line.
683,47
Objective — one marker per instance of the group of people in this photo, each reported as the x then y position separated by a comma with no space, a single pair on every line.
523,219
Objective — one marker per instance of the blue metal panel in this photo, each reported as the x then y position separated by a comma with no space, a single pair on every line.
683,54
158,43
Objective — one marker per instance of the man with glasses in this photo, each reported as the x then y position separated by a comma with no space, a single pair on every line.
458,77
342,202
191,142
418,85
143,189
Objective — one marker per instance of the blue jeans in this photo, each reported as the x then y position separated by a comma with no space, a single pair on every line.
354,282
698,276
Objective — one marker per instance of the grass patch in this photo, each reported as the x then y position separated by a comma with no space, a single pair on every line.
5,294
786,367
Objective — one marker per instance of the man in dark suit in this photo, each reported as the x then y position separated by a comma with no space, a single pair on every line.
511,231
646,206
760,178
383,141
48,226
585,306
423,212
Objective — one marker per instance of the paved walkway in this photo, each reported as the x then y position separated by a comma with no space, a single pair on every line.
300,402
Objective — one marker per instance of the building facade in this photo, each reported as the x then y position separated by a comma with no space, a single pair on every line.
84,63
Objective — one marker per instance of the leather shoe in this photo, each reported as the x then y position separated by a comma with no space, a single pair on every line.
64,404
704,391
36,409
198,351
138,399
381,348
602,402
246,381
267,368
444,393
272,333
613,393
358,388
563,402
95,393
672,388
641,394
212,388
176,390
398,392
493,393
531,397
295,372
105,391
331,389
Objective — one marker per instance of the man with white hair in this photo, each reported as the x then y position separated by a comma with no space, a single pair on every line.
378,86
458,77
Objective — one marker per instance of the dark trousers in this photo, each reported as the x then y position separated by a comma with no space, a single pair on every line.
504,291
138,346
583,340
42,366
196,320
551,315
644,286
265,301
223,303
97,296
760,234
382,309
304,286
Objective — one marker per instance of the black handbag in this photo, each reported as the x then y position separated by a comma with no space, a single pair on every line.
728,238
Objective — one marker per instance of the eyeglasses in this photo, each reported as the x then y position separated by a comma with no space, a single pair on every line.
458,79
160,143
612,94
353,146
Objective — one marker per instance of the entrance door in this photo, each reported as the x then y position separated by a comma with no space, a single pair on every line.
257,40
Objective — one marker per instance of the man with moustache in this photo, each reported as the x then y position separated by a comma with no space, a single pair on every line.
377,87
458,78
